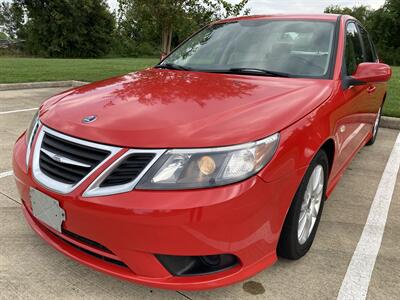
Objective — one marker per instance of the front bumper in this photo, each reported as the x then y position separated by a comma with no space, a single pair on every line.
121,234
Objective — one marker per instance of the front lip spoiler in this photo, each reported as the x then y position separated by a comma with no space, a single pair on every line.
202,282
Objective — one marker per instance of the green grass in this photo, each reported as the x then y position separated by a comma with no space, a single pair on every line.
16,69
392,104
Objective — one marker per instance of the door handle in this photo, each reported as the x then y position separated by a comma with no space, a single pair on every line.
371,89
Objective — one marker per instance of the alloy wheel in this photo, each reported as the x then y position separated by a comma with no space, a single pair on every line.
311,204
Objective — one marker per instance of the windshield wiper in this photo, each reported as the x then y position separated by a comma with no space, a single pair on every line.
257,71
250,71
172,67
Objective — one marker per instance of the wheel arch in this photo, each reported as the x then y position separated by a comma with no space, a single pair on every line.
329,148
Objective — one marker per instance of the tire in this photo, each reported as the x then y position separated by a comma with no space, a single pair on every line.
375,129
294,242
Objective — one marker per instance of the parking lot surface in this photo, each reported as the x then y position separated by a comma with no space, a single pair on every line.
30,269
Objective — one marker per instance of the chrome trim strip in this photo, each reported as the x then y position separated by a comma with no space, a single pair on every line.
269,139
95,190
63,160
54,185
30,141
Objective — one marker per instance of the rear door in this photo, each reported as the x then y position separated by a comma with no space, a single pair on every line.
376,90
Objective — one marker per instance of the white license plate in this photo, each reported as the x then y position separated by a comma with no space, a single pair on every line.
47,209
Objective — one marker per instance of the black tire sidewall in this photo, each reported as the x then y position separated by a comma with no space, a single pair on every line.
373,138
289,246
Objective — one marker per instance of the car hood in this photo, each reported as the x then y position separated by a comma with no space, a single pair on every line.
158,108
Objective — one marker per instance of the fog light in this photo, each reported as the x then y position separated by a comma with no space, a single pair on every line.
197,265
211,260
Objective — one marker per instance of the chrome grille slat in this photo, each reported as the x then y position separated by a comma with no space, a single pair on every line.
61,163
66,161
72,175
66,151
73,151
128,169
124,173
61,171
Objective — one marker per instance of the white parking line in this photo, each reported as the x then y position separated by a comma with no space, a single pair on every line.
16,111
356,281
5,174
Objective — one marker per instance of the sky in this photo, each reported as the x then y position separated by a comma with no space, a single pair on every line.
292,6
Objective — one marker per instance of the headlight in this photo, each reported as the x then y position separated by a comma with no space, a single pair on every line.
30,135
199,168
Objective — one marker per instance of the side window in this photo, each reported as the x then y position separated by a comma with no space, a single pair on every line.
369,54
353,52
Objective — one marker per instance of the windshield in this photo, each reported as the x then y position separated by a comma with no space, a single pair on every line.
292,47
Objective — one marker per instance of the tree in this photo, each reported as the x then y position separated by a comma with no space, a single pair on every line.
361,13
390,16
141,19
68,28
224,9
12,18
383,25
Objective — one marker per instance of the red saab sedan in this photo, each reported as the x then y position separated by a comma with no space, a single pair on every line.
200,171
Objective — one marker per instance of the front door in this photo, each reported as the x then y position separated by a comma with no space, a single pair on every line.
355,111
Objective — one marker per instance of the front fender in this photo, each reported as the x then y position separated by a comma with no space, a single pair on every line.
300,142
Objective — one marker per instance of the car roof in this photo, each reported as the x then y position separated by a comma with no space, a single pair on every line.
318,17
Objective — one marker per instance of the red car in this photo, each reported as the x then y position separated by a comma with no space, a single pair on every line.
200,171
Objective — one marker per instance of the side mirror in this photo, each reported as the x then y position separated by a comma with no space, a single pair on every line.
368,72
163,55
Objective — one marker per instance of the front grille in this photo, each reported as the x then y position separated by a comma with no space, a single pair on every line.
98,256
128,170
82,159
86,241
91,253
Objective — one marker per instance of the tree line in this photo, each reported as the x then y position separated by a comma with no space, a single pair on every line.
87,28
383,24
